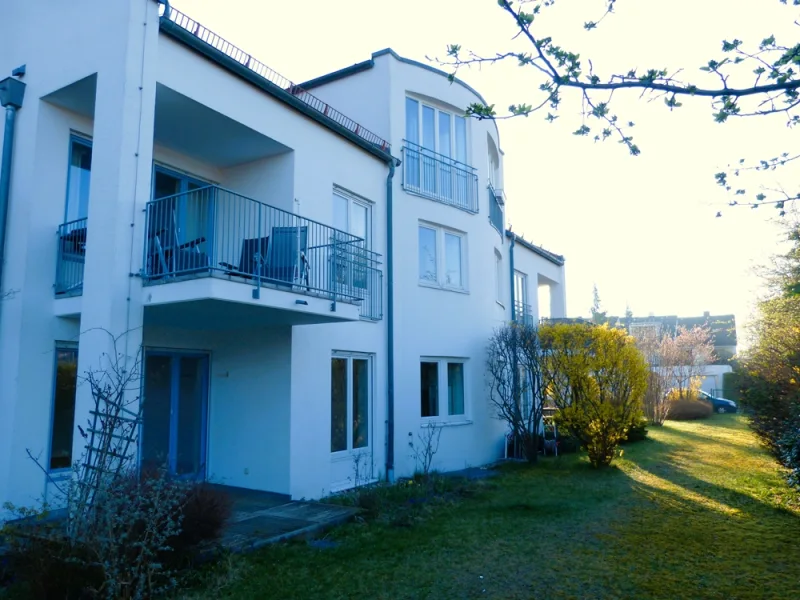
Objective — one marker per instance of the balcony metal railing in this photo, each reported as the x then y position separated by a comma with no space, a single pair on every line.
212,231
247,60
495,210
523,313
70,258
439,177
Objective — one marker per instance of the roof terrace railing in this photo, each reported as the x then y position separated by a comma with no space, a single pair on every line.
256,66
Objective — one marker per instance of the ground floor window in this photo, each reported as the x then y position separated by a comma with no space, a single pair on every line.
437,376
63,419
351,401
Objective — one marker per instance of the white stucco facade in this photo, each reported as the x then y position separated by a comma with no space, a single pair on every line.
254,363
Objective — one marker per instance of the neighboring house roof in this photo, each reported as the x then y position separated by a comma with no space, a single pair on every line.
207,43
723,327
554,258
368,64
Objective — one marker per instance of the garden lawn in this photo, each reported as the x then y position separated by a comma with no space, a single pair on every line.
696,511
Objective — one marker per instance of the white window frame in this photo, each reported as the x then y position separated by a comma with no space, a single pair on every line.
349,452
452,115
359,201
441,258
443,417
498,276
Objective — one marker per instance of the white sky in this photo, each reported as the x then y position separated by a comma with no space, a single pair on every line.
643,228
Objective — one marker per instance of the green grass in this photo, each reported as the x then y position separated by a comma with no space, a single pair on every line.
696,511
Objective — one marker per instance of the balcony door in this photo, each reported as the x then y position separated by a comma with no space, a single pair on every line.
180,222
174,412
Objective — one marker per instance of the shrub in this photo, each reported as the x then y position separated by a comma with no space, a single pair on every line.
205,512
597,378
637,431
137,533
688,409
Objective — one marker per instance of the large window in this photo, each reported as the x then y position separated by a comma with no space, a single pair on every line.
351,402
436,130
436,155
63,417
442,257
354,216
442,388
78,179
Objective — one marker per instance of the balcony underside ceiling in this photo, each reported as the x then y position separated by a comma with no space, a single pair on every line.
191,128
218,315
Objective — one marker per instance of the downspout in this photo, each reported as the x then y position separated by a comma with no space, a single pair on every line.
514,367
12,91
390,317
511,270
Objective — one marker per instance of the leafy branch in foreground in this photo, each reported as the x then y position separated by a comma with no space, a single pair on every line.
743,80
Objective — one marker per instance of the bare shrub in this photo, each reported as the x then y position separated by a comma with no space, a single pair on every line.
517,382
426,447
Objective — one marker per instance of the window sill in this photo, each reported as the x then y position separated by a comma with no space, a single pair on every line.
59,474
349,455
431,422
444,288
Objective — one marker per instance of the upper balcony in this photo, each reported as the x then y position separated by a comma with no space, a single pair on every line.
523,313
226,239
440,178
495,208
212,232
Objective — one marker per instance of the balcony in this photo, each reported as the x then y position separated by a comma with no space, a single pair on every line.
495,210
440,178
70,258
212,232
523,314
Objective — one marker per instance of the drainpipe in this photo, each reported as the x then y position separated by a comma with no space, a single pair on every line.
511,270
390,317
12,91
514,367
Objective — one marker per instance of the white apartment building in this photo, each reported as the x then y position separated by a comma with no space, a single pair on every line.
303,287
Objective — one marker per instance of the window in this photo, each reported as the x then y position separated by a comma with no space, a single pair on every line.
184,211
440,131
351,402
442,374
522,307
436,155
441,257
63,423
352,215
498,276
429,379
78,179
526,385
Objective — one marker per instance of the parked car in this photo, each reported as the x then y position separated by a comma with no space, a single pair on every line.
720,405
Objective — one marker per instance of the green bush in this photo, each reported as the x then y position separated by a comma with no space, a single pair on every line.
637,432
689,409
597,380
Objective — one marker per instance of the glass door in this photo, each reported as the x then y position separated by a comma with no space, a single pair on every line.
174,413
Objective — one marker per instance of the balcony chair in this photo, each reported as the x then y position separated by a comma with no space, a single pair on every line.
279,257
167,255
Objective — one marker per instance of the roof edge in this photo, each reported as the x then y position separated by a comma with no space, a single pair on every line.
336,75
226,62
556,259
416,63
